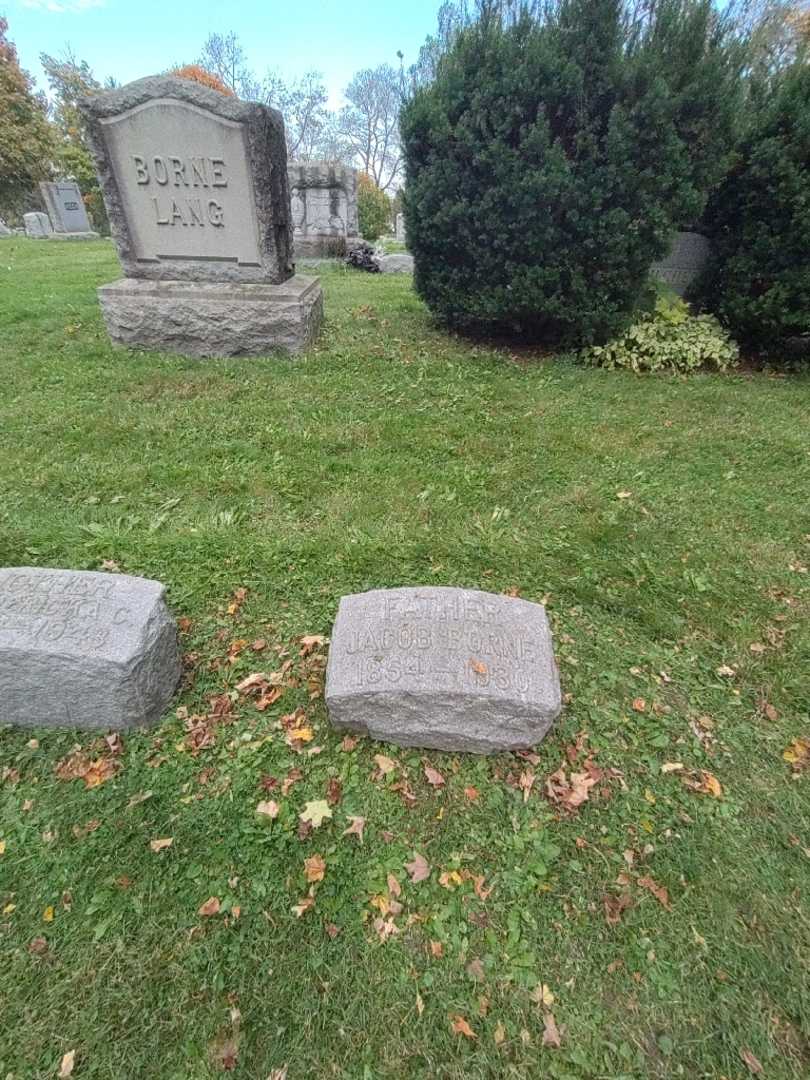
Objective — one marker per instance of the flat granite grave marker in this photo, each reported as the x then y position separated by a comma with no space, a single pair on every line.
80,649
66,209
446,668
196,190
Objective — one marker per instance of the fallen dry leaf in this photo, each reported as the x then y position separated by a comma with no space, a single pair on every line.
419,869
394,886
461,1027
356,826
658,891
316,812
304,905
436,949
334,791
471,793
310,642
160,845
349,743
798,754
541,995
615,905
639,704
433,776
525,783
268,808
209,908
384,764
47,914
499,1035
753,1062
420,1005
551,1033
314,868
449,879
66,1067
672,766
38,946
475,969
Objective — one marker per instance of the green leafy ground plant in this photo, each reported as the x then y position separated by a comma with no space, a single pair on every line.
669,338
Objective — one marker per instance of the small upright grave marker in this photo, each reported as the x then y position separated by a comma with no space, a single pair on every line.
37,225
79,649
452,669
66,209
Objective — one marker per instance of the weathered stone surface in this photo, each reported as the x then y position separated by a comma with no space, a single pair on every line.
400,229
37,225
194,182
685,262
65,207
84,650
206,320
4,229
324,209
396,264
452,669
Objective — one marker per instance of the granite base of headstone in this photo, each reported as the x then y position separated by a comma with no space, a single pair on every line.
685,262
37,225
196,190
208,320
80,649
443,668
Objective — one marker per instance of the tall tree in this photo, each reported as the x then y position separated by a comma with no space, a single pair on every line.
303,105
26,138
370,123
223,55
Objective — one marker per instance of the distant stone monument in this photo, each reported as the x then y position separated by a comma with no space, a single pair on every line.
451,669
400,227
80,649
195,186
324,209
37,225
65,207
685,262
398,263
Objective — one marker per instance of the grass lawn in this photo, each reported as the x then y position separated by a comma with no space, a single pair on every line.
665,524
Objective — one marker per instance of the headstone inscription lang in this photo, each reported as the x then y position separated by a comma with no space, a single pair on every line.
196,190
324,209
80,649
37,225
685,262
446,668
66,209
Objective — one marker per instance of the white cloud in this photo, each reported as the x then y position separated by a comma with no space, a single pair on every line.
61,7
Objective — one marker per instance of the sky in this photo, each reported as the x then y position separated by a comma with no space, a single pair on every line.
132,38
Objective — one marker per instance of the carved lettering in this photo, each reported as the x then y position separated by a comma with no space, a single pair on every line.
179,171
215,213
219,180
161,172
141,171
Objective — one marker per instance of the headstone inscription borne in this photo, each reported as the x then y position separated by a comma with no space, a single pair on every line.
446,668
80,649
37,225
66,209
196,190
324,209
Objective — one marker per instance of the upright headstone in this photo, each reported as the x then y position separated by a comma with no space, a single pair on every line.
401,234
195,186
4,229
37,225
80,649
66,209
324,209
685,262
452,669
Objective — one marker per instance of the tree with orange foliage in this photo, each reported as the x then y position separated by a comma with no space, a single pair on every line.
26,137
197,73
